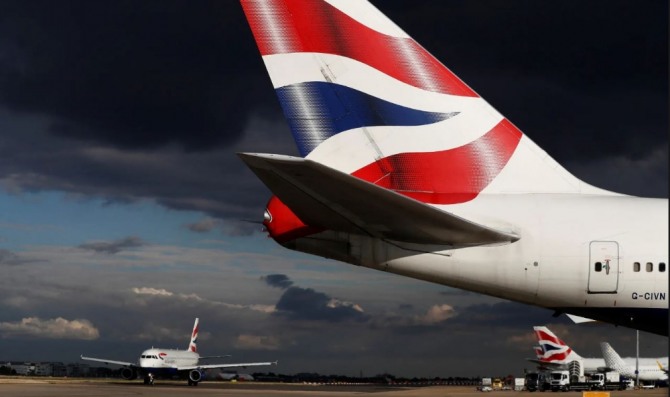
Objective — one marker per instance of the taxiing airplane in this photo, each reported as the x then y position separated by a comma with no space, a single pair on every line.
407,170
653,372
553,353
169,363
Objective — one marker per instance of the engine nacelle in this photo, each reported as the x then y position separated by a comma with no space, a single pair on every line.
128,373
195,376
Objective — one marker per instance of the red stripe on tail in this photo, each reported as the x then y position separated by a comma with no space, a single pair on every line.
289,26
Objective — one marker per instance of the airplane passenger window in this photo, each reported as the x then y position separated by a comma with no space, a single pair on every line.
599,267
650,266
661,267
636,266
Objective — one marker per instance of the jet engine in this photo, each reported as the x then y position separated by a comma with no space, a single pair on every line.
128,373
195,376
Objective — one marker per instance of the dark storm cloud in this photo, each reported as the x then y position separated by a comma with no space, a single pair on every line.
277,280
129,74
113,247
214,182
307,304
297,303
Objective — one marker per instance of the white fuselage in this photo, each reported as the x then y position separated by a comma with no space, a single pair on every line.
647,367
553,264
168,358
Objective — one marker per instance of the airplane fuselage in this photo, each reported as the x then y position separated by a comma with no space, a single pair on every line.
598,256
164,359
647,367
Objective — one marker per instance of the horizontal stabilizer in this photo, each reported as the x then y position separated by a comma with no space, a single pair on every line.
324,197
579,320
547,364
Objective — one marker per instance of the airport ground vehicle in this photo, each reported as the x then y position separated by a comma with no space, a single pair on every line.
537,381
562,380
497,384
519,384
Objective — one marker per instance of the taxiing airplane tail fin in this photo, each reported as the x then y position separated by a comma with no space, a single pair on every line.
554,350
364,98
192,346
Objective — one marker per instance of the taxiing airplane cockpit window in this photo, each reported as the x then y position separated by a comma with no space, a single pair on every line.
599,266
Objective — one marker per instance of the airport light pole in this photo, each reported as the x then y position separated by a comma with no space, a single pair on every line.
637,358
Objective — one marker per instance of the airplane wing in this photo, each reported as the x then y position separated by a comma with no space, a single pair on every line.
547,364
102,360
211,366
324,197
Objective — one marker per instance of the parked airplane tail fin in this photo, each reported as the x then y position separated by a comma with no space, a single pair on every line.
554,350
612,358
364,98
192,346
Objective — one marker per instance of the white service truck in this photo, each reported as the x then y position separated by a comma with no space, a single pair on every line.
519,383
562,380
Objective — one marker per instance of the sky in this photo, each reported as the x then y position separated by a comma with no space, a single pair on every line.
125,213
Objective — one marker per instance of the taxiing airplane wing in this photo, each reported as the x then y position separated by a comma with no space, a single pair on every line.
211,366
102,360
324,197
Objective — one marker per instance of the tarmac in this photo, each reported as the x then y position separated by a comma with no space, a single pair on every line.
32,387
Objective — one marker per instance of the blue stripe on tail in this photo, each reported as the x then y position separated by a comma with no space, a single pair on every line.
318,110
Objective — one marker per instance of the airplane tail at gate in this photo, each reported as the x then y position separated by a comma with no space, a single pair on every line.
192,346
612,358
553,349
363,98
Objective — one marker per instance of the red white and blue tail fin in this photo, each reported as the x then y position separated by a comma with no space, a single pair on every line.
553,349
193,346
362,97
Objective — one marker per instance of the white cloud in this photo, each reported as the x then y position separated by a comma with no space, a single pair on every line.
437,314
163,293
152,291
333,303
58,328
